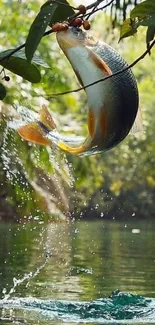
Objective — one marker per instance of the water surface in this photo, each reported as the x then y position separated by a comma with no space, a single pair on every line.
66,273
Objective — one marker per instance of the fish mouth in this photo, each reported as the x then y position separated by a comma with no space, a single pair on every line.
71,37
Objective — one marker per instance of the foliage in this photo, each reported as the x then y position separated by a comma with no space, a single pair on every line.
142,15
31,175
2,92
49,14
22,166
18,64
120,8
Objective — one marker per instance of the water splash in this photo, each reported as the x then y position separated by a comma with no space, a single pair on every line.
28,276
26,116
118,308
19,168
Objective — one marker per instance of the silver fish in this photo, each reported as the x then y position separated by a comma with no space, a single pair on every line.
113,104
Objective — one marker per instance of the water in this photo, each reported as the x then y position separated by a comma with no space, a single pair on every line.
67,273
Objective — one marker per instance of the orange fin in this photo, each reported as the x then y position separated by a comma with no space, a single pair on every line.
72,150
101,64
46,118
33,133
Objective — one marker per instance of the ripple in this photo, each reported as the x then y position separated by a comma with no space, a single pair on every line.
118,308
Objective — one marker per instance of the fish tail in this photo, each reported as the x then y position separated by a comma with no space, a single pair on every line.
36,131
46,118
33,132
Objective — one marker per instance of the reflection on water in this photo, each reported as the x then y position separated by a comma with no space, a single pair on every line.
84,261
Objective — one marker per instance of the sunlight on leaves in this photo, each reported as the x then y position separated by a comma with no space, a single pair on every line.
143,9
38,28
18,64
142,15
49,14
62,12
128,28
147,21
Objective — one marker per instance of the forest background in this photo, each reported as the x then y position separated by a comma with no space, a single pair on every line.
40,181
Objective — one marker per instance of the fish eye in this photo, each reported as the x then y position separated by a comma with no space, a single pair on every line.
76,30
79,33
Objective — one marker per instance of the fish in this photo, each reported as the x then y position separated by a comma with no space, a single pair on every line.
112,104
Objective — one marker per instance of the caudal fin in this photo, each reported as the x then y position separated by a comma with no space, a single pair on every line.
46,118
37,133
32,132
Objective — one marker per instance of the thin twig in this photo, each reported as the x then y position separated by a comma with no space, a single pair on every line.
108,77
95,9
94,4
91,13
7,56
105,6
12,52
64,4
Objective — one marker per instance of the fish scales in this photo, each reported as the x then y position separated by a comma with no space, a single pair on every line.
112,104
125,96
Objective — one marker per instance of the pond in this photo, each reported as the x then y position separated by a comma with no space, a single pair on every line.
94,272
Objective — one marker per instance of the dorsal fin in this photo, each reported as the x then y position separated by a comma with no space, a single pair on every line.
46,118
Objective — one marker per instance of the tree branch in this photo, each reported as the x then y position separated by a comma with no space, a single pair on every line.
63,4
93,5
108,77
105,6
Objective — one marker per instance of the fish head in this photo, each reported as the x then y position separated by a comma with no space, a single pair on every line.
71,37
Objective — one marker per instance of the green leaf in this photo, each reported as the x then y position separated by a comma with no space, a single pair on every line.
38,28
148,20
18,64
2,92
128,28
143,9
150,34
62,12
37,60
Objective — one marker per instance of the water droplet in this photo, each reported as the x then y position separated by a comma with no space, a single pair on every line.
135,231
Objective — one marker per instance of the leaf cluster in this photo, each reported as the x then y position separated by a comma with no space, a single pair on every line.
127,169
142,15
23,62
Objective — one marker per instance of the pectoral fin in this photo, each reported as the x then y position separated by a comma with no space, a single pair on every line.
100,63
33,133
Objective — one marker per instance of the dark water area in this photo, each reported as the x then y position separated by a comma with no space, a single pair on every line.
69,273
